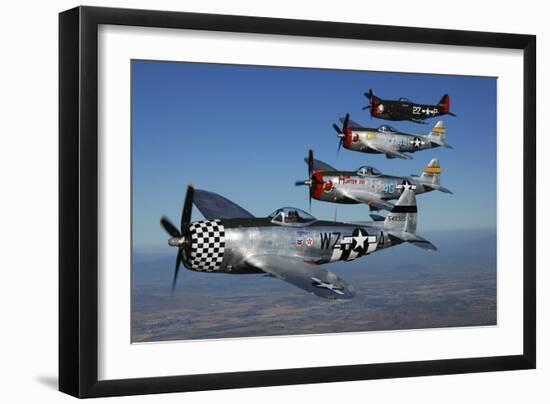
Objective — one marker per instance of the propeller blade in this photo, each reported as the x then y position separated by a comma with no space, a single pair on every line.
187,208
179,259
336,128
339,147
367,107
169,227
346,122
310,163
300,183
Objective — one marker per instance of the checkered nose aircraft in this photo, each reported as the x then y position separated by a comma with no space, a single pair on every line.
387,140
289,244
365,185
404,109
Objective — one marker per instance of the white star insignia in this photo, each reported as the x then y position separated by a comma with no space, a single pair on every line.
360,240
406,186
416,142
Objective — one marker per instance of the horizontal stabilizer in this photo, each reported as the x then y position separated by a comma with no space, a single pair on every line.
438,188
414,239
441,144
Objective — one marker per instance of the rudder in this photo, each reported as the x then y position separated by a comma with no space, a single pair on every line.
438,135
432,173
402,217
444,105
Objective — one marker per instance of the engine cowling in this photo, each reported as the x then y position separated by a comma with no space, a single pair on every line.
207,245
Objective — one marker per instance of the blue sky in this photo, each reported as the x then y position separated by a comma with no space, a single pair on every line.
243,131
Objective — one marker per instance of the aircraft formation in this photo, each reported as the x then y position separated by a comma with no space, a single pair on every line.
290,244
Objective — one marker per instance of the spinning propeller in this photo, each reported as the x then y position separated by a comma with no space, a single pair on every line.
180,238
312,180
369,96
342,133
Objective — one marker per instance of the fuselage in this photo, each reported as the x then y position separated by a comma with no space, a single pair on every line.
403,110
319,242
368,141
333,186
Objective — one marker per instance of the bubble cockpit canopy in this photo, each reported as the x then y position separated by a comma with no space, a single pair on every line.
368,171
402,99
386,129
291,216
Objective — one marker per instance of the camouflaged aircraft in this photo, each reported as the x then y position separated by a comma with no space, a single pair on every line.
387,140
365,185
289,244
404,109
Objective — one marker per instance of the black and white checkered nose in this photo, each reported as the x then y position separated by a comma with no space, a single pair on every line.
207,245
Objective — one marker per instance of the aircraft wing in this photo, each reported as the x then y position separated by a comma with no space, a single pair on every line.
309,277
319,165
390,152
214,206
353,125
420,121
368,198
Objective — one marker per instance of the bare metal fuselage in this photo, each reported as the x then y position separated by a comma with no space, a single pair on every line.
334,186
318,242
368,141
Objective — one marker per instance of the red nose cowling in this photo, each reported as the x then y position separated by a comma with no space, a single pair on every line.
347,139
317,184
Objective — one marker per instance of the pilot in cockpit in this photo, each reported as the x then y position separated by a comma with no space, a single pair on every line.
292,217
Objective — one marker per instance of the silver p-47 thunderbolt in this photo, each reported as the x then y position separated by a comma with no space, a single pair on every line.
387,140
289,244
365,185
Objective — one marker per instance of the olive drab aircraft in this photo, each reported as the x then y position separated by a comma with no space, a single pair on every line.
289,244
366,184
387,140
404,109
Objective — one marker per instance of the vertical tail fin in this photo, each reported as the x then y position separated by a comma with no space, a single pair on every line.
400,223
439,131
444,104
438,135
432,173
402,217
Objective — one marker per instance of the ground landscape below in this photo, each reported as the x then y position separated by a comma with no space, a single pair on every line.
396,289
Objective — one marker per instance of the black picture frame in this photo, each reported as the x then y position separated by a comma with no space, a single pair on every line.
78,201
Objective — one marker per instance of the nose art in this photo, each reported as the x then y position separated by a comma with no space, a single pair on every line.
207,245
